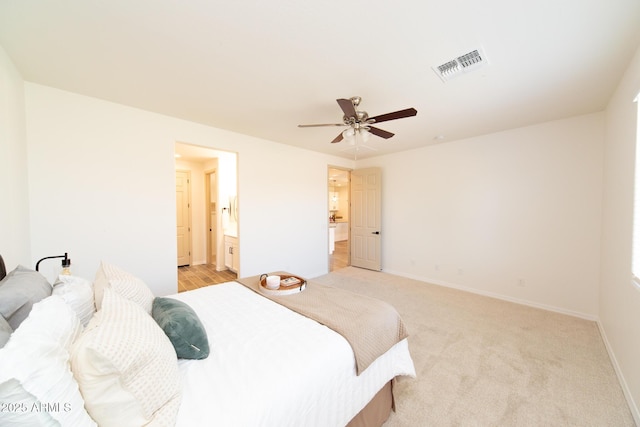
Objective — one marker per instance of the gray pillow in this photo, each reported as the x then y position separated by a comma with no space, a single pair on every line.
182,326
5,331
21,289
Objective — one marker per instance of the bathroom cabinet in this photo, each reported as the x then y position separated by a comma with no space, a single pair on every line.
231,253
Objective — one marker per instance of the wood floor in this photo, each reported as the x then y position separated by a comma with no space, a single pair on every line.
198,276
340,257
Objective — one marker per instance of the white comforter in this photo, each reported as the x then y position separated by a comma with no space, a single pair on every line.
270,366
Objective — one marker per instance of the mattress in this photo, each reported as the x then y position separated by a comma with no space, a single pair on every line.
270,366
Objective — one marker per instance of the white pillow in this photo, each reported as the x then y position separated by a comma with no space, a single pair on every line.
126,367
19,405
125,284
35,367
78,293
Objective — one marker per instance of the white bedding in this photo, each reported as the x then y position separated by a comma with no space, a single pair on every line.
270,366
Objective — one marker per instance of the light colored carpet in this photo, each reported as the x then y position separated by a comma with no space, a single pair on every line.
481,361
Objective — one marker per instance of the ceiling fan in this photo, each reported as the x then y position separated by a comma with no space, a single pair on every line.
359,121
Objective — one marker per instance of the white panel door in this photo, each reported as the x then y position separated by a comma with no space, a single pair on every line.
366,209
183,218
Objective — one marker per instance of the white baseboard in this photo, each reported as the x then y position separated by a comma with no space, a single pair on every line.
555,309
623,384
625,388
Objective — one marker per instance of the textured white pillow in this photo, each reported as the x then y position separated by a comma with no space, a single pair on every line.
125,284
126,367
134,290
78,293
35,367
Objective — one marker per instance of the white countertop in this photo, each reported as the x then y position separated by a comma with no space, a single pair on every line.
231,231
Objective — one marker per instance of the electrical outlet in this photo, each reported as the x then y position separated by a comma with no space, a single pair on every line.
521,283
460,272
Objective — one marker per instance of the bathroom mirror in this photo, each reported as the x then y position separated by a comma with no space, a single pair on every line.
233,204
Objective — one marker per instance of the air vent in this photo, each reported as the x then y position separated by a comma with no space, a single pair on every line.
462,64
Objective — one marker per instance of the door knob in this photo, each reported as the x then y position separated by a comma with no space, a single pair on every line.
375,232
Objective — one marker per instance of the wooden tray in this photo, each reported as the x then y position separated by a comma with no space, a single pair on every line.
283,290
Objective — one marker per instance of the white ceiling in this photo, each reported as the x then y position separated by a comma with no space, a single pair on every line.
261,68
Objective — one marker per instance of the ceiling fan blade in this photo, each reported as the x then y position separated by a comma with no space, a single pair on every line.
347,107
379,132
337,138
321,124
393,116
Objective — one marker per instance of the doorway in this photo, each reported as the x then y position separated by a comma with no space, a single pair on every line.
339,211
213,184
366,210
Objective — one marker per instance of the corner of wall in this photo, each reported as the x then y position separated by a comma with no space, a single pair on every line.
635,412
15,233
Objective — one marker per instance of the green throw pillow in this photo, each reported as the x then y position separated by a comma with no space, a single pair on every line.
182,326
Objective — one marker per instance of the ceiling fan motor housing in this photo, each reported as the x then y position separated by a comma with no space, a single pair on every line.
360,120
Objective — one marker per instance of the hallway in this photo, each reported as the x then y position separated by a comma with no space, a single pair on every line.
340,257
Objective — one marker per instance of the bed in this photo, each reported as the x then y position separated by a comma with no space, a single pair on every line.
120,357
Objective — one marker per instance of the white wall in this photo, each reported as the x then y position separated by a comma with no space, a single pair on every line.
514,214
102,186
487,212
619,300
14,214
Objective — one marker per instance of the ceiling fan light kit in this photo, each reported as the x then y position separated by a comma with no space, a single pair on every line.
359,123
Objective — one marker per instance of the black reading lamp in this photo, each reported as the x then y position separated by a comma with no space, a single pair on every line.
66,262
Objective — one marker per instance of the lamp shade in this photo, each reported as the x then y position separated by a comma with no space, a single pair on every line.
348,133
